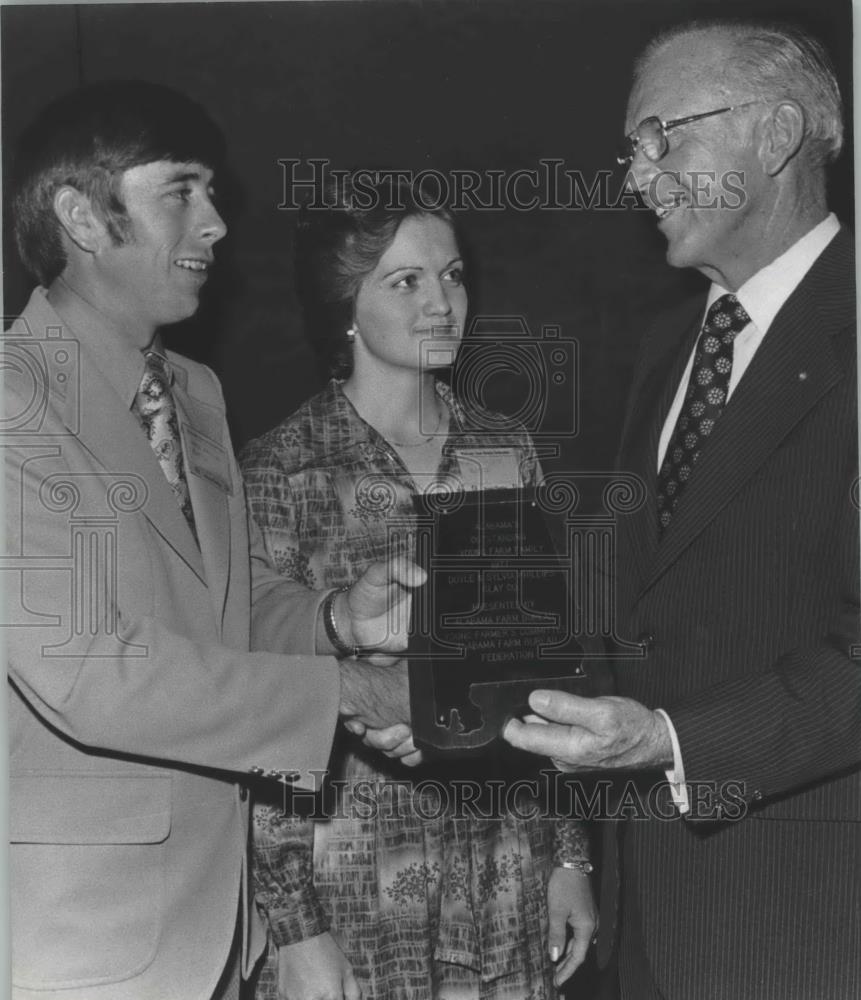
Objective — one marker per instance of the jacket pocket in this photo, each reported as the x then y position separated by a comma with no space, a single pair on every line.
87,876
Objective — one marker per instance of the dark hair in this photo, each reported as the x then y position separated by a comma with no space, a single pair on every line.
774,60
340,237
88,139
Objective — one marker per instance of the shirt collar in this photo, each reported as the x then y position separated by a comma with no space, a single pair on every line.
764,294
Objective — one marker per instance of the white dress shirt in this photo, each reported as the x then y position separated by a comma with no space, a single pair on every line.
762,296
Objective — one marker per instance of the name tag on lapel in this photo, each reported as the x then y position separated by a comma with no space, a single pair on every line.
488,468
206,458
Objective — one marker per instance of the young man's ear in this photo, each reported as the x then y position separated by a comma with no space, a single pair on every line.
80,221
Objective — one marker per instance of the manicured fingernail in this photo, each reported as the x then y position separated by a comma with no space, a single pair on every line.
554,954
539,699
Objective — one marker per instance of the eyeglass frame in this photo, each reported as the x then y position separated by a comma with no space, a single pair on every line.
633,137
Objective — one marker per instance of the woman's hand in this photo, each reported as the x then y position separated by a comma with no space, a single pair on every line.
315,969
569,902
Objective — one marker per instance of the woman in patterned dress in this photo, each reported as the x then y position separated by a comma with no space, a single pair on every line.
393,894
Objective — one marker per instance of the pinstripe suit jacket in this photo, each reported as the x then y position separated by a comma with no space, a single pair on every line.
747,610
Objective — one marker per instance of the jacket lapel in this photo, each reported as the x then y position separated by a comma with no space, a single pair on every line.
113,436
210,484
795,365
667,351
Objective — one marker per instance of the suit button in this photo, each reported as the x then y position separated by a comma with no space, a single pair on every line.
646,641
287,777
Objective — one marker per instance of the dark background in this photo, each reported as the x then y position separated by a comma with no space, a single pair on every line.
485,85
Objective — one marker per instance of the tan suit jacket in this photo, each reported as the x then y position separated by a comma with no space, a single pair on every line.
135,707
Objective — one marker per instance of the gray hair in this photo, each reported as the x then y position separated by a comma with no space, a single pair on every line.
776,61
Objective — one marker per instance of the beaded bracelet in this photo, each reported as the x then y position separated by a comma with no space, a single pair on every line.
332,633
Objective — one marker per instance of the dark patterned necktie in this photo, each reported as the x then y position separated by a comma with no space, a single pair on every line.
704,401
155,406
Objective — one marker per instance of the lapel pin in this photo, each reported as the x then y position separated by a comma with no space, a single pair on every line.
802,376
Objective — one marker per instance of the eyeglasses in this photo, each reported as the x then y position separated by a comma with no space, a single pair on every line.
651,134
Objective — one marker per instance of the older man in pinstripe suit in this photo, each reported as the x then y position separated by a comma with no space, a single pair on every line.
740,573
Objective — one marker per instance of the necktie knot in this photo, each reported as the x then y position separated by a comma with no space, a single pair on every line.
725,319
155,383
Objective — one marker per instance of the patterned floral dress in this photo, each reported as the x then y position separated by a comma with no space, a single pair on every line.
426,904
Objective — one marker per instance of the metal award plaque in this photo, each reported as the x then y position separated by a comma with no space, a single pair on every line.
494,619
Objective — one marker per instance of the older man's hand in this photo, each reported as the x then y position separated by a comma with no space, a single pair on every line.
375,697
592,734
395,742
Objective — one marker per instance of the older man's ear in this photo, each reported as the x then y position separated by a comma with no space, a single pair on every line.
782,135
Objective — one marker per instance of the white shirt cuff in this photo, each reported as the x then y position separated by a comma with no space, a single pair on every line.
676,775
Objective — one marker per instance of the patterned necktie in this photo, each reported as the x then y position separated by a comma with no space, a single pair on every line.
157,411
704,401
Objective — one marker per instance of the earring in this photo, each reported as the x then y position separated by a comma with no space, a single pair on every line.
351,334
